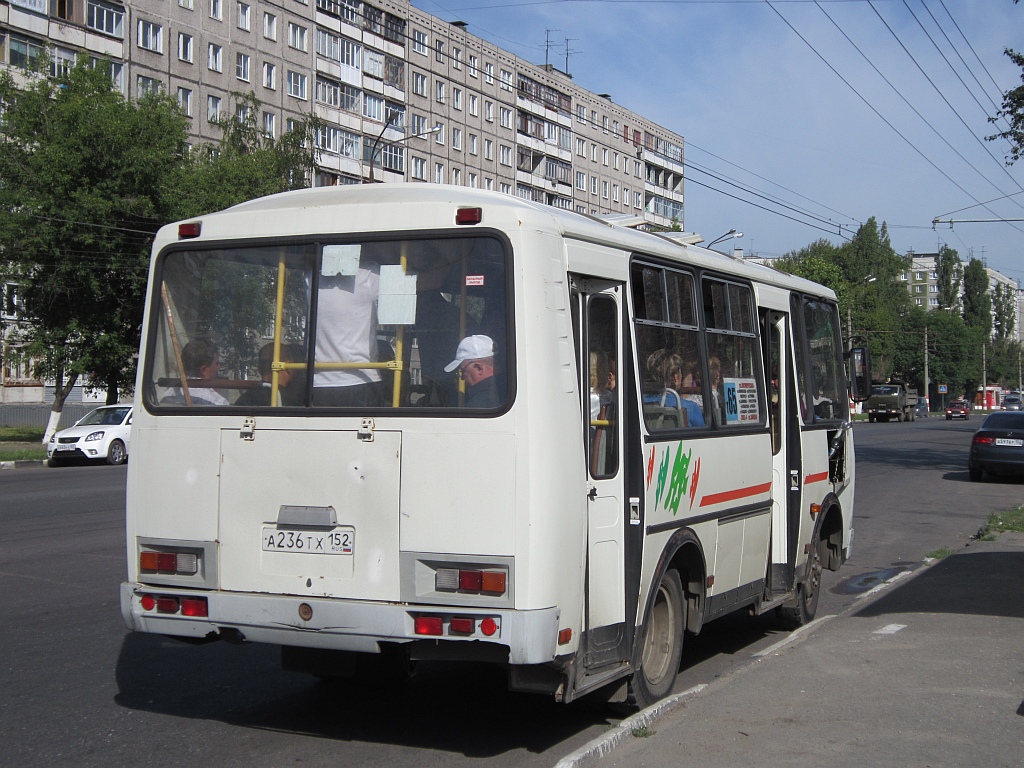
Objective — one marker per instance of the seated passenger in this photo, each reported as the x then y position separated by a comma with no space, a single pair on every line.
289,389
474,363
668,369
201,361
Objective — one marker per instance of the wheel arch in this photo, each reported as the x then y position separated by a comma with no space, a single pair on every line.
828,532
683,553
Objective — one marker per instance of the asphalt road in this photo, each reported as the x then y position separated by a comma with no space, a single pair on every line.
78,689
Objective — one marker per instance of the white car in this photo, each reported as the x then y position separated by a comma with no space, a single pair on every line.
100,434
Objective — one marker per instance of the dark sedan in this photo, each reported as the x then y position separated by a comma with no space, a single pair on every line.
998,446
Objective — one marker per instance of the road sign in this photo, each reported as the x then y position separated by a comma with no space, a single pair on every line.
942,389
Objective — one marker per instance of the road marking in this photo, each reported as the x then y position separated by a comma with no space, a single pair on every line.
884,584
890,629
792,636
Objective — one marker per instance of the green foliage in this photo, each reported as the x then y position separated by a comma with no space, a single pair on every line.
950,276
1013,112
1000,522
246,164
977,302
815,262
1004,311
83,188
87,179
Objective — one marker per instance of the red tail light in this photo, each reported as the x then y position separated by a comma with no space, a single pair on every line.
459,626
195,606
167,605
983,440
469,215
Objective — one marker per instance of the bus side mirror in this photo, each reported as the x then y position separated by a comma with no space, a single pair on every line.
860,374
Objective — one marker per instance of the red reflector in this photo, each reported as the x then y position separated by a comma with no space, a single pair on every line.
983,440
493,582
148,602
488,626
459,626
194,606
429,625
167,605
190,229
469,215
471,581
167,561
564,636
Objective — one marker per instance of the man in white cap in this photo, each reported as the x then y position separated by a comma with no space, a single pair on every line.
474,363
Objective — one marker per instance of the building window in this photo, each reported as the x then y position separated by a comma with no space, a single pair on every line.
243,16
472,144
242,66
505,155
216,10
417,125
373,107
638,200
506,117
419,168
439,136
439,51
581,113
439,173
269,75
213,58
61,60
457,58
604,189
185,4
419,84
506,80
328,44
472,180
148,85
604,156
213,108
581,180
185,101
296,37
185,47
297,84
373,64
350,11
106,18
150,36
351,54
489,184
270,26
474,104
488,149
489,111
489,79
269,124
439,87
581,147
593,185
472,66
419,45
456,98
457,138
505,188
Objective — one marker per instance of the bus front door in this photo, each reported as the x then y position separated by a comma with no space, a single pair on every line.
607,640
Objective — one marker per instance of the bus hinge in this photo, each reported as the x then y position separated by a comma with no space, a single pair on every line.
248,430
366,431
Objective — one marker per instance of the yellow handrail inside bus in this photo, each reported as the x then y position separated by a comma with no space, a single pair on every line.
275,372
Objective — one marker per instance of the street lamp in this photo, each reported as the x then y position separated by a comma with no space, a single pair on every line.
376,142
731,234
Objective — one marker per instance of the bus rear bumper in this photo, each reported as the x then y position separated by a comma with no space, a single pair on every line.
338,624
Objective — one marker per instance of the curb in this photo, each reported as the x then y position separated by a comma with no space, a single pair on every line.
22,463
603,745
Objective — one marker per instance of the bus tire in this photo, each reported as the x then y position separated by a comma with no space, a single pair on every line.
662,646
807,592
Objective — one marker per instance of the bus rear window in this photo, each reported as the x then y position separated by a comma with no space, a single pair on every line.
418,323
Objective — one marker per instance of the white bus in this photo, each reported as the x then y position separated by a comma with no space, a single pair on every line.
413,422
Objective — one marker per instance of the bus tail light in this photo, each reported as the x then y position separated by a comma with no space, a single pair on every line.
471,580
189,229
469,215
464,626
461,626
429,625
177,563
196,607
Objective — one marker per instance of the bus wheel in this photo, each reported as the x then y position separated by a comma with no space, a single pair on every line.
663,644
795,616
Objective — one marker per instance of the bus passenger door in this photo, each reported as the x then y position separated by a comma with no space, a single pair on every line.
784,421
606,640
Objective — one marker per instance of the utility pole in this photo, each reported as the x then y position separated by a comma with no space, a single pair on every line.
927,387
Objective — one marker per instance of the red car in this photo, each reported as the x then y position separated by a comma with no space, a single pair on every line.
959,409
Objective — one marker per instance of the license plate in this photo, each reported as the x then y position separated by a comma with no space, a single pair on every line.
339,541
66,447
1009,441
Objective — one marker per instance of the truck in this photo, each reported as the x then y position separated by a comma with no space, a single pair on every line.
891,399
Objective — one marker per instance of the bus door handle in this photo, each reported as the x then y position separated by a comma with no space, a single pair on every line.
794,479
592,493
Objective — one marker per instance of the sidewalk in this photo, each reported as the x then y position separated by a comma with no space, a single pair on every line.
929,673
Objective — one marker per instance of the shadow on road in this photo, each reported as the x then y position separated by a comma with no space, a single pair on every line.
464,709
976,583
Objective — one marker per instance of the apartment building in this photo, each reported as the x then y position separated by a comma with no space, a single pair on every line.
405,96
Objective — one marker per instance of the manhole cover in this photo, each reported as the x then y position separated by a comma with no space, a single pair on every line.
865,581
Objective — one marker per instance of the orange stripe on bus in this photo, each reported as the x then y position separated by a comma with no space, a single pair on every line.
816,478
739,493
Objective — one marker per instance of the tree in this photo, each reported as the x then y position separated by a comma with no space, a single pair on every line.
246,163
950,276
1004,311
83,175
815,262
977,301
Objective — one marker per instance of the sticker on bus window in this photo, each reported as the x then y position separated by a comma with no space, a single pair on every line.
474,280
741,405
340,260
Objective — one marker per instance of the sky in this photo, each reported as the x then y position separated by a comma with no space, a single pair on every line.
801,118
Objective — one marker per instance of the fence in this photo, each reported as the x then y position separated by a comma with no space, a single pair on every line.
38,414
